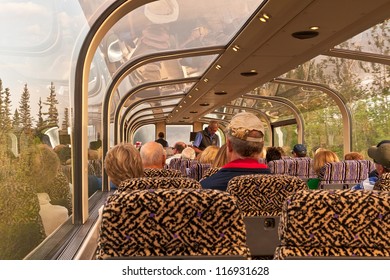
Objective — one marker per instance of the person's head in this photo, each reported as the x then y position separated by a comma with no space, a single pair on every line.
353,156
245,136
273,153
299,150
212,127
209,154
153,155
179,147
381,156
188,153
323,157
123,162
221,157
161,135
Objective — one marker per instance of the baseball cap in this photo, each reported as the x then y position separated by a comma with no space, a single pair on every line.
380,154
299,149
242,124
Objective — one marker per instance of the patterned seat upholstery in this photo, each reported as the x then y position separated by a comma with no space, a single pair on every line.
383,183
155,172
329,223
261,197
210,171
281,166
302,168
171,223
175,163
146,183
197,170
185,164
344,172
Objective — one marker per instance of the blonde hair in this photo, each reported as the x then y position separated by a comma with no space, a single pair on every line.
208,155
353,156
221,157
323,157
122,162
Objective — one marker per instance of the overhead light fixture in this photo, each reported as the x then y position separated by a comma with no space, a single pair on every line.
250,73
186,118
220,92
236,48
218,67
204,104
303,35
205,80
193,112
314,28
264,17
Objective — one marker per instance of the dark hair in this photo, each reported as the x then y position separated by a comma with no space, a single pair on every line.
161,134
273,153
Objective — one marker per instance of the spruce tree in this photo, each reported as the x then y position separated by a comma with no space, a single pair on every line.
25,110
40,122
51,101
6,116
16,121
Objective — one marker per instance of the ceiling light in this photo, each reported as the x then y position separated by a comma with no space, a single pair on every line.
204,104
314,28
236,48
218,67
303,35
250,73
220,92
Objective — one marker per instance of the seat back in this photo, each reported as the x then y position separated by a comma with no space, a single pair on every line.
281,166
302,168
261,197
185,164
147,183
210,171
197,170
175,163
169,222
155,172
263,194
335,223
383,183
343,174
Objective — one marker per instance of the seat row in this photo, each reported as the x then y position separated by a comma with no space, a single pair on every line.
273,216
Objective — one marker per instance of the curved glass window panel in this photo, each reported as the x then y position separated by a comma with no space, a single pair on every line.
286,136
365,88
374,40
178,133
38,48
274,110
155,92
169,70
168,25
145,134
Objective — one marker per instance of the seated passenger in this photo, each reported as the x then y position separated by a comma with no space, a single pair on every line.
123,162
177,150
221,157
153,155
353,156
381,156
273,153
245,141
320,159
299,150
188,153
208,155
